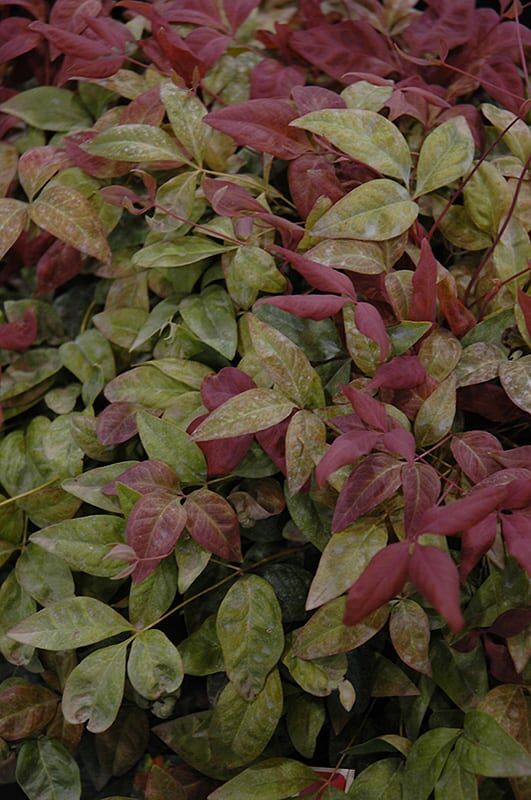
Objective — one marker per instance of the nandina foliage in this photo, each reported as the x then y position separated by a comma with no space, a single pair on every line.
266,369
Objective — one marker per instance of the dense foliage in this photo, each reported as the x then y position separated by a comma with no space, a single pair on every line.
266,381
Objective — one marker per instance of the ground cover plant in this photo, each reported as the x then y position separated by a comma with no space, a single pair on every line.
265,389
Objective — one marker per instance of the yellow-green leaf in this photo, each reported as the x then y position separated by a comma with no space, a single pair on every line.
134,143
445,156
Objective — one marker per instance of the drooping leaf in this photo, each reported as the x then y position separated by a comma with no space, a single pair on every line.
94,689
250,632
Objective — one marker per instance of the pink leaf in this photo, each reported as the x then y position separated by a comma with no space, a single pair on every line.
382,580
228,199
262,125
518,494
228,382
346,449
517,457
368,485
20,334
516,529
307,306
145,477
16,38
315,98
117,423
96,166
59,264
477,452
213,523
370,323
369,410
271,79
319,276
475,542
155,523
435,576
464,513
71,43
423,299
273,442
402,372
222,456
146,109
400,442
421,486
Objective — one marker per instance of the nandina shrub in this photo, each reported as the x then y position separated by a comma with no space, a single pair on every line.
266,364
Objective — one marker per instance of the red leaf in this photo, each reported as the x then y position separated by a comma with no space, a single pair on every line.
346,449
228,382
96,166
448,21
423,299
45,160
512,622
319,276
117,423
400,442
311,176
476,452
71,43
145,477
369,410
222,456
421,486
16,38
516,528
269,78
457,315
370,323
491,403
338,49
382,580
517,457
228,199
146,109
402,372
524,301
501,664
21,334
59,264
370,483
155,523
464,513
475,542
213,523
307,306
435,576
262,125
519,493
273,442
72,14
315,98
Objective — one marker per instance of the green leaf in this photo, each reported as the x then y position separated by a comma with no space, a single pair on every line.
273,779
162,786
486,749
248,412
409,629
305,717
48,108
405,335
73,622
389,680
366,258
479,362
150,598
439,353
210,316
165,441
458,228
436,414
318,676
88,486
13,219
364,135
201,651
325,634
305,446
249,271
154,667
375,211
517,138
446,155
287,364
242,729
44,576
487,198
191,559
15,605
66,214
25,709
47,771
185,112
515,377
380,781
179,252
134,143
318,339
426,761
344,559
363,94
94,689
84,543
249,628
456,782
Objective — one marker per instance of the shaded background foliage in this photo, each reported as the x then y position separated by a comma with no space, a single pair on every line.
265,395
